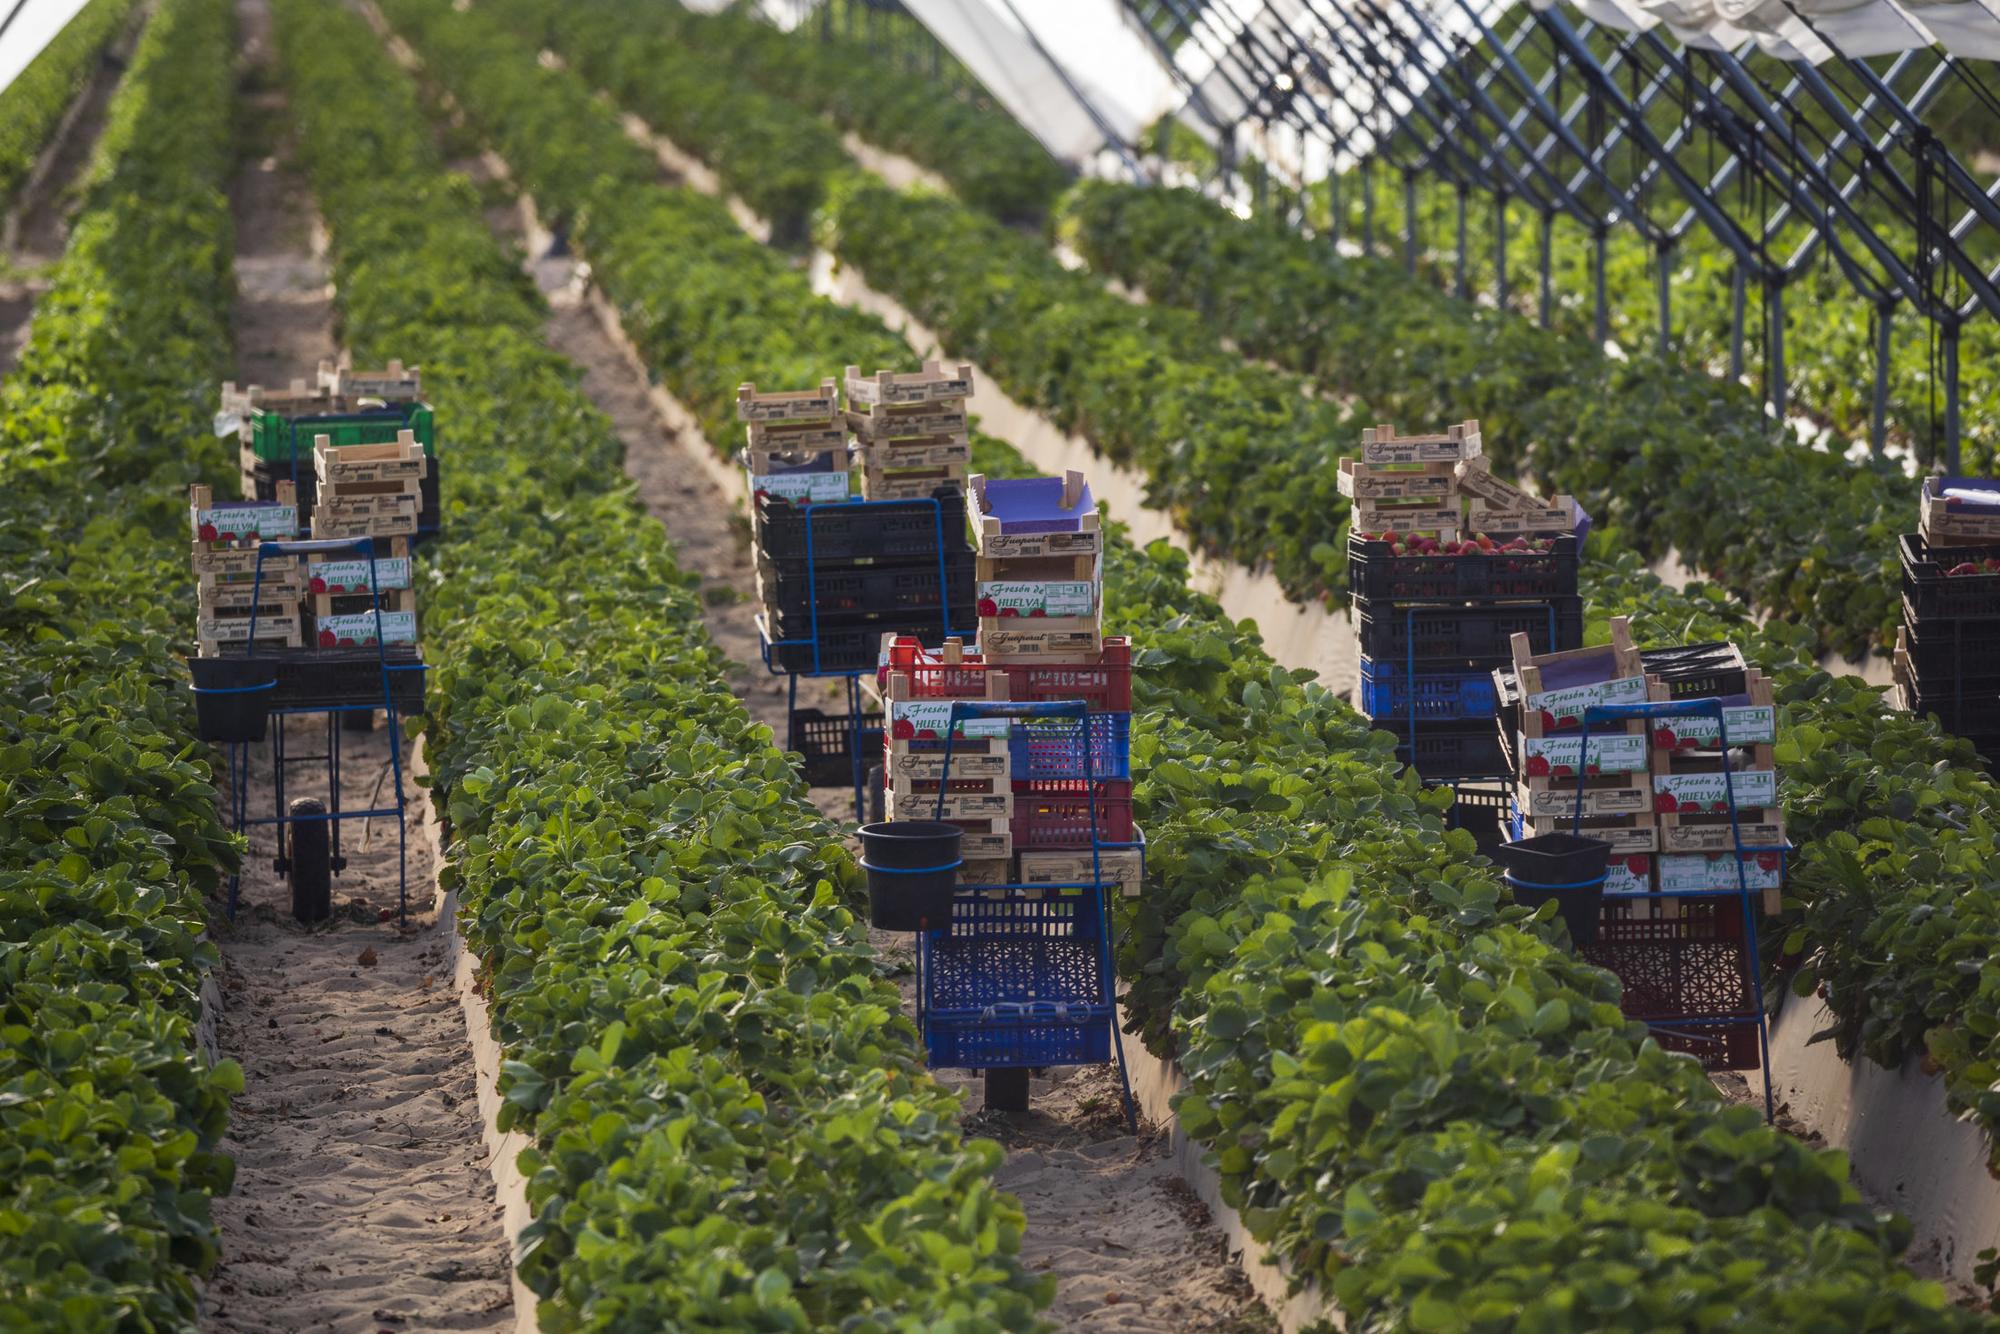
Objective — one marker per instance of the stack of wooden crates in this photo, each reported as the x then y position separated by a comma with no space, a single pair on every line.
230,584
366,491
910,430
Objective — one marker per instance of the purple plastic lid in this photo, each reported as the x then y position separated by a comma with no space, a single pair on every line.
1034,505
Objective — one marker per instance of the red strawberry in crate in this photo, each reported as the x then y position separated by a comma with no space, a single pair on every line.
1963,567
327,639
1538,766
904,730
1664,802
988,607
1639,864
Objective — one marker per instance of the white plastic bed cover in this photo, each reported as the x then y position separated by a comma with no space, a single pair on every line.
26,26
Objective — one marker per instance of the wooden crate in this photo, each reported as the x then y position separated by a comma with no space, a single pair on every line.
1944,525
987,871
880,424
970,758
1627,834
795,437
1554,520
1543,711
991,542
796,405
1039,569
1042,638
283,598
926,451
394,383
909,483
401,462
243,523
1753,724
214,633
215,563
1418,481
1381,444
763,462
1617,794
1475,478
933,384
921,805
1120,866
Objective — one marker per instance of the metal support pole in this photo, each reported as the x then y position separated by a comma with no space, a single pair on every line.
1410,221
1461,288
1597,279
1878,420
1500,249
1948,348
1547,264
1774,354
1737,283
1666,302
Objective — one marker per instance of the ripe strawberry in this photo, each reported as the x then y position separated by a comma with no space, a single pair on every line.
988,607
1538,766
904,730
1963,567
1389,535
1664,802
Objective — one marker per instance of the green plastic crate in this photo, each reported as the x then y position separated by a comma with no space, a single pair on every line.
271,437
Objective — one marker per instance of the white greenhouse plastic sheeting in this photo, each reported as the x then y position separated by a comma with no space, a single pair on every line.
1111,64
34,26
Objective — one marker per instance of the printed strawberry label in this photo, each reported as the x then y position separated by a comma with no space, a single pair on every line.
1706,794
1748,725
220,523
1684,871
927,719
1564,708
810,488
351,576
1629,873
1017,598
1556,756
396,627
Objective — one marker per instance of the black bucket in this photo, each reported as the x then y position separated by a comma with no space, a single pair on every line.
912,867
1565,867
232,697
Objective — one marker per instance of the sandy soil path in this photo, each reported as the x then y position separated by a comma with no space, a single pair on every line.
362,1200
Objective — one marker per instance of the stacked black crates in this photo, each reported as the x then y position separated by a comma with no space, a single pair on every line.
1446,564
1947,661
835,575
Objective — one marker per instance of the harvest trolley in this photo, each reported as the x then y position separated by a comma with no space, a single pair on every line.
833,545
1023,974
1691,965
309,840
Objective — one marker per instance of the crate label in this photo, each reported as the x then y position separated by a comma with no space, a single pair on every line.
1394,485
1628,873
1475,480
1706,794
1119,866
926,720
1565,707
229,521
1420,449
1748,724
1684,871
1610,753
236,629
397,627
1025,598
351,576
812,488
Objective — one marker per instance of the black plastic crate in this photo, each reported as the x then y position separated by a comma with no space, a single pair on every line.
1372,572
1944,649
1439,752
850,594
1482,811
1698,671
1967,710
825,743
1931,591
1476,634
898,530
853,648
317,678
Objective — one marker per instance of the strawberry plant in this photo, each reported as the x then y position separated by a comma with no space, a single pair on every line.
109,1119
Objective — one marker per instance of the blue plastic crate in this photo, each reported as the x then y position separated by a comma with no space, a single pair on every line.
1017,981
1054,747
984,1043
1440,696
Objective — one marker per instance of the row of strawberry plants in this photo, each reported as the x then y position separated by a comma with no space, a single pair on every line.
731,1126
1895,988
1501,1065
109,839
1673,459
35,102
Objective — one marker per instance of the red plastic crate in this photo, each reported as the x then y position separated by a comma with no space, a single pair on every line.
1690,966
1055,813
1104,685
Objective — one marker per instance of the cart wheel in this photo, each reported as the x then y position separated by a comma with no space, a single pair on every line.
876,802
312,863
1007,1089
358,720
